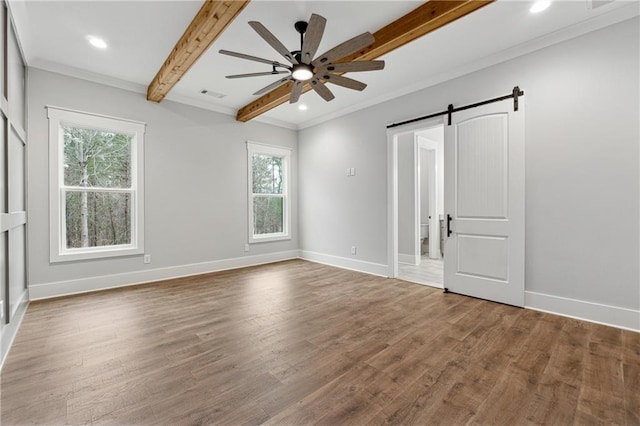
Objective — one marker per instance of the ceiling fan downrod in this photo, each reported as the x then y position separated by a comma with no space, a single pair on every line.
301,28
301,71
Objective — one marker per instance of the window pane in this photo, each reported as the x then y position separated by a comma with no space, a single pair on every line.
267,215
96,158
267,174
97,219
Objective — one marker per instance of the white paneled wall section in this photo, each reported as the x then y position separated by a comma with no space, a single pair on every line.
13,208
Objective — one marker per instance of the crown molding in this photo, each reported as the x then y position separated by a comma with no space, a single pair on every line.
118,83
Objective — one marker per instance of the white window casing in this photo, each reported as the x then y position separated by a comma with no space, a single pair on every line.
60,117
254,148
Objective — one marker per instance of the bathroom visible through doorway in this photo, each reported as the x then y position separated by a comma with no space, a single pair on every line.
420,167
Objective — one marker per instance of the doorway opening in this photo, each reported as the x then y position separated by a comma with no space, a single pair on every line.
418,207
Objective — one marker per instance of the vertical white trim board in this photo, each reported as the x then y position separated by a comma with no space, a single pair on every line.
64,288
613,316
346,263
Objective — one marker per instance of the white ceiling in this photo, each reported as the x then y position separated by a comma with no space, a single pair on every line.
140,35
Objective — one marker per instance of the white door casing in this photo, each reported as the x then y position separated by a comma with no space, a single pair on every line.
484,195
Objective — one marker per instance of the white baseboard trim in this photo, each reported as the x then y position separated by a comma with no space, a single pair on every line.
346,263
10,330
409,259
613,316
85,285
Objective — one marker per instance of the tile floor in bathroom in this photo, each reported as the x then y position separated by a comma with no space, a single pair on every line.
428,272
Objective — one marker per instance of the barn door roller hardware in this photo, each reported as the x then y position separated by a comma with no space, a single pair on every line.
515,94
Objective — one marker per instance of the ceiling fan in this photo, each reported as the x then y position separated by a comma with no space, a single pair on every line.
303,68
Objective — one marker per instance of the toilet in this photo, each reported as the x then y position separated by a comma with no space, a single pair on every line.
424,238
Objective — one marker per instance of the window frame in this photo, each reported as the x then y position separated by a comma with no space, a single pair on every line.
285,154
59,117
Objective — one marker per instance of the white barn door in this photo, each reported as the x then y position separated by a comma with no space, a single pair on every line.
484,203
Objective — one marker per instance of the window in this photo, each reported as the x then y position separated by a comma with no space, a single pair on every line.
96,183
268,192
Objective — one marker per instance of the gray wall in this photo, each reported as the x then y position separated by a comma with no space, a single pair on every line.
582,163
195,179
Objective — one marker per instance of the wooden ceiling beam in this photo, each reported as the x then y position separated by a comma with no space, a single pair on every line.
210,21
424,19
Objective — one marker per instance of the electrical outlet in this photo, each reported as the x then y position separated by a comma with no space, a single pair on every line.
354,250
147,258
348,171
246,247
353,171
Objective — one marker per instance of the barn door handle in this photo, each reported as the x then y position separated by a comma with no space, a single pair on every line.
448,225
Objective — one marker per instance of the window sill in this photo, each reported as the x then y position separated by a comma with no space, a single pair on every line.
80,254
269,238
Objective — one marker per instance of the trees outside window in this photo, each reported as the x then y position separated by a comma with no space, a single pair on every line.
96,185
268,192
96,159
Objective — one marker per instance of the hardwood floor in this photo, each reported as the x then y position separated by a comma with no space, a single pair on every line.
302,343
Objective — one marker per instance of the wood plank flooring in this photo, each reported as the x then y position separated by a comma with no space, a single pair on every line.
301,343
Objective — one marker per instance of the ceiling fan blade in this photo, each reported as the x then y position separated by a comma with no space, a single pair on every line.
322,90
354,66
296,92
257,74
252,58
273,41
339,80
344,49
312,37
273,85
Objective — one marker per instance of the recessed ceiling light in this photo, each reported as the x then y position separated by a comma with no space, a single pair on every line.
97,42
302,107
539,6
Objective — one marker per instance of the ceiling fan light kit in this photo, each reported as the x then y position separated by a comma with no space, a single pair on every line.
325,68
302,72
